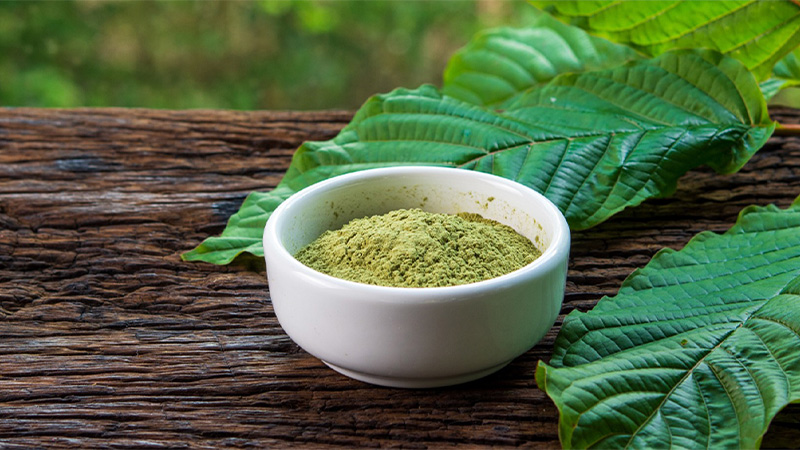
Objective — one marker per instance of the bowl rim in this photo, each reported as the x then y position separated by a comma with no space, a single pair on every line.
556,252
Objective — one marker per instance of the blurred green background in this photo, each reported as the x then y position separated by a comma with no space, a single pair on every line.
269,54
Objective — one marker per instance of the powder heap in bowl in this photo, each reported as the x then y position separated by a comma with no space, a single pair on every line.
415,248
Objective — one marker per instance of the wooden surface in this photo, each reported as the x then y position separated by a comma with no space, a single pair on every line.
108,339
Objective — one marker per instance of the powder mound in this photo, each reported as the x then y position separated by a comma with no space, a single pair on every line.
415,248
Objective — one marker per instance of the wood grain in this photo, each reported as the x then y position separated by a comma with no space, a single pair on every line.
108,339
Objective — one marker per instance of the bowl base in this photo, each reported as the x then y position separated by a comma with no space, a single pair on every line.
415,383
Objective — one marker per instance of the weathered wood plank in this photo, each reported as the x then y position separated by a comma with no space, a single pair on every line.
108,339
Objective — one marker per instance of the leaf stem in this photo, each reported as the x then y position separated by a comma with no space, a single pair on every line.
787,129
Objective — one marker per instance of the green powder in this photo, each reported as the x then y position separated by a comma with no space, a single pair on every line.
414,248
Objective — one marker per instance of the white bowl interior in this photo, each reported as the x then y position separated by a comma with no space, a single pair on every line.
451,191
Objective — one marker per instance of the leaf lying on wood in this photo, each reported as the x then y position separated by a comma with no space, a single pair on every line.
697,350
594,143
757,33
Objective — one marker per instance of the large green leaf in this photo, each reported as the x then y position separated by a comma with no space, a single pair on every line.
502,62
697,350
593,143
757,33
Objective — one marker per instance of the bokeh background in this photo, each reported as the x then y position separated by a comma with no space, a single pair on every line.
259,54
268,54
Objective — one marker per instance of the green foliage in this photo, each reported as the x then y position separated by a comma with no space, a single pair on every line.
757,33
309,54
500,63
593,143
698,349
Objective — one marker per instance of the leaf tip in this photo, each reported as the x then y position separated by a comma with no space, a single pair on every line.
224,250
541,375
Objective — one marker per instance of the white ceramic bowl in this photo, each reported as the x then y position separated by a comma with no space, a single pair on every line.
415,337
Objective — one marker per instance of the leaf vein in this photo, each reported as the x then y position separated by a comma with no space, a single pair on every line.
706,24
714,370
688,373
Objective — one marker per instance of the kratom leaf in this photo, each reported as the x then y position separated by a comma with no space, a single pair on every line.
697,350
757,33
593,143
785,74
502,62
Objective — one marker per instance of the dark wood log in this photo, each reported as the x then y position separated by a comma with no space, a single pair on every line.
108,339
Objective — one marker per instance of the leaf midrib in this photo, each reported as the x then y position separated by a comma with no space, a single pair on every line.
646,19
777,48
679,107
635,325
699,26
751,316
689,371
